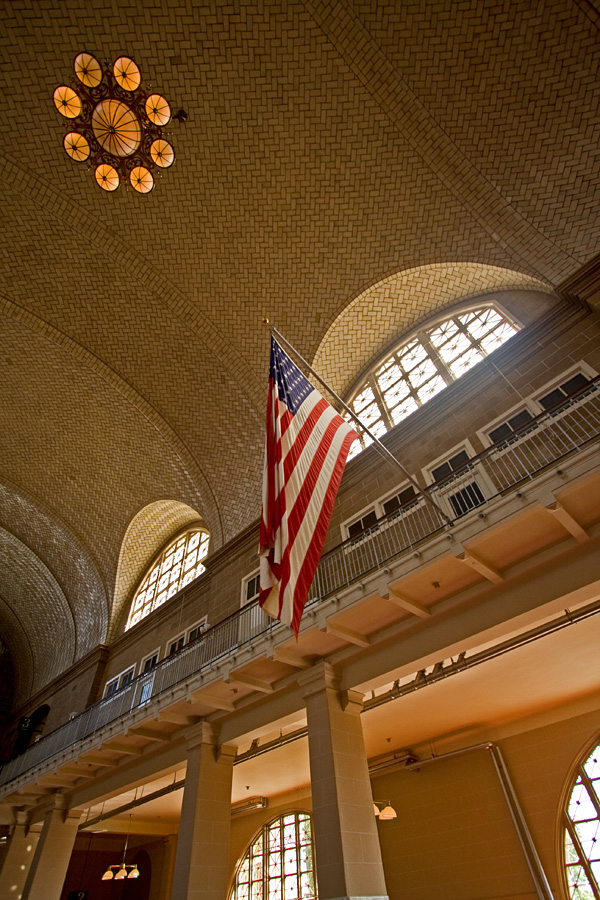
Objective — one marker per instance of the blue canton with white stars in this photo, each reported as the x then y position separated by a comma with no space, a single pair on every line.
292,386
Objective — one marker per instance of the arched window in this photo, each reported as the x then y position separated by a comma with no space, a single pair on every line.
426,363
279,862
582,831
176,566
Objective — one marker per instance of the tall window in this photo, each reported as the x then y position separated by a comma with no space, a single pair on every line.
179,564
582,831
424,365
279,863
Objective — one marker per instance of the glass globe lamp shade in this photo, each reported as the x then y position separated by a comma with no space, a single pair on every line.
88,70
135,872
76,146
157,109
67,102
162,153
127,73
121,874
387,813
141,180
108,875
107,177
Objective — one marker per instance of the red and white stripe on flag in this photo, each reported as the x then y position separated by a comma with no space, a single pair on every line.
306,449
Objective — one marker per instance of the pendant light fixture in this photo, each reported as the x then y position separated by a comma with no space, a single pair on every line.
122,868
116,125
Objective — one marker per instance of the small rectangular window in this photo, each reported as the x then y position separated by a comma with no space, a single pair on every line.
403,498
127,677
357,527
176,645
451,465
252,587
505,429
568,387
150,662
111,688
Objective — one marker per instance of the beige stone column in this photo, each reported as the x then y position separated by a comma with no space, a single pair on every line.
203,843
348,855
17,858
53,853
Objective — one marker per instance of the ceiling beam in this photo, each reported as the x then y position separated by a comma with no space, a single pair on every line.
564,518
347,634
478,565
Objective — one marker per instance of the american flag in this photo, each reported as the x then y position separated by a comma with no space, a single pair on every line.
306,450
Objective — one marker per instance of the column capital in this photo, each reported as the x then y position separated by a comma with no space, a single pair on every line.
226,754
320,677
202,733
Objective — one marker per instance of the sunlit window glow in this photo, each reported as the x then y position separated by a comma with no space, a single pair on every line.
279,863
421,367
582,831
179,564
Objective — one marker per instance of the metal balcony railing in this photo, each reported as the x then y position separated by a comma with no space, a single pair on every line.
544,441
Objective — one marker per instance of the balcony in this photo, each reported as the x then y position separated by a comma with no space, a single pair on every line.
503,470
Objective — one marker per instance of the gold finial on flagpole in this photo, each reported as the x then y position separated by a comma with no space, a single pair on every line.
266,321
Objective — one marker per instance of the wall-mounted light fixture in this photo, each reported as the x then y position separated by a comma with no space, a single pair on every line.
383,810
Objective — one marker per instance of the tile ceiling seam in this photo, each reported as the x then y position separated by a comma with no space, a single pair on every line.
41,506
148,411
51,580
27,642
491,210
142,271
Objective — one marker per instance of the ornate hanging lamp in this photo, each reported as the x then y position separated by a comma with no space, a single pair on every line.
123,867
115,125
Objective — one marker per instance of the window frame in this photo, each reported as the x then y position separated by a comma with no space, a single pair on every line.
185,635
422,333
565,823
479,478
117,679
581,367
244,586
377,506
262,831
156,564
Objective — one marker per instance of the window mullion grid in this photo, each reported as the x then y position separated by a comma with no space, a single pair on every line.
583,860
590,789
379,399
435,357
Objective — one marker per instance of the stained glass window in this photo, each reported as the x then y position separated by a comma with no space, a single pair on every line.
582,831
279,863
421,367
179,564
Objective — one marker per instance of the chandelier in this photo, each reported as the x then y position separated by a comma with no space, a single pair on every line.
122,867
115,124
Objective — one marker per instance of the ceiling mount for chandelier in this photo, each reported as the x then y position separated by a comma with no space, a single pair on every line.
115,125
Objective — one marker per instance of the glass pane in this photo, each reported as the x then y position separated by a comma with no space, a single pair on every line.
412,355
363,399
403,410
443,333
422,373
430,389
396,392
579,886
291,861
465,362
291,888
580,805
592,765
587,833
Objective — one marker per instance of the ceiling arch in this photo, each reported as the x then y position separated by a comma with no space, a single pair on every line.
147,533
50,634
383,312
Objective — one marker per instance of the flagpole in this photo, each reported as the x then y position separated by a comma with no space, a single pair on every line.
383,450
